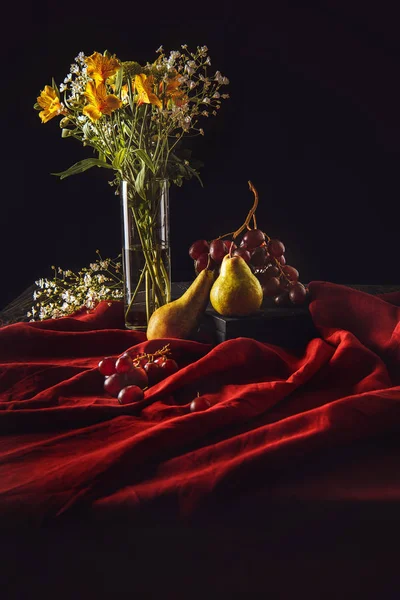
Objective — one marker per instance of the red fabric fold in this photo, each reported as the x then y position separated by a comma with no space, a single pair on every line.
66,446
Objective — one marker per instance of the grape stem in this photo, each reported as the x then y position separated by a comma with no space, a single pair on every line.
164,351
250,215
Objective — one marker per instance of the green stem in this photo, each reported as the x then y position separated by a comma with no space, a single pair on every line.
135,293
148,315
149,266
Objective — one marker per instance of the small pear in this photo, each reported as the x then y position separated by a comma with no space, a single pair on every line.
236,291
180,318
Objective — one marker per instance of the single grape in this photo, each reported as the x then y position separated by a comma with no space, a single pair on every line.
114,384
218,250
202,262
258,256
276,248
291,272
197,248
272,271
253,238
297,293
129,394
154,372
281,259
243,253
199,404
228,244
167,365
271,286
124,363
137,376
282,299
107,365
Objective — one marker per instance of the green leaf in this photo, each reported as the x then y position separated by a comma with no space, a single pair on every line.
119,158
83,165
118,81
140,181
145,158
54,85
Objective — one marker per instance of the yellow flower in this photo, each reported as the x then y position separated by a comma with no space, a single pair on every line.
124,91
173,93
99,102
144,87
100,68
51,104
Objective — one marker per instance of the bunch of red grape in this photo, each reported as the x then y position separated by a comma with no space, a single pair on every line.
266,259
127,376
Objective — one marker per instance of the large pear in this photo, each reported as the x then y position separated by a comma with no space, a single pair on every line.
236,291
180,318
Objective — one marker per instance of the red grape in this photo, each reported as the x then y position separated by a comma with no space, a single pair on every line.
124,363
107,365
130,393
114,384
253,238
202,262
199,404
282,299
281,259
154,372
228,244
197,248
291,272
218,250
271,286
138,376
297,293
167,365
258,256
272,271
243,253
276,248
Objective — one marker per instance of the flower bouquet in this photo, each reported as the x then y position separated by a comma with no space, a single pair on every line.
135,117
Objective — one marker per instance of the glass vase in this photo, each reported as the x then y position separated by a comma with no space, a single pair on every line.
146,256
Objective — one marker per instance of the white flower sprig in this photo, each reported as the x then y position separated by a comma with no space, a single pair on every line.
69,292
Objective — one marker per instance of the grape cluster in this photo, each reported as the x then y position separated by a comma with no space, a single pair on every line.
127,376
266,259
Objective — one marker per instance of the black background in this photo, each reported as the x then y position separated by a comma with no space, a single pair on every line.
313,121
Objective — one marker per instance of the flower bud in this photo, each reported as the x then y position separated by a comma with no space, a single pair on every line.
66,133
64,122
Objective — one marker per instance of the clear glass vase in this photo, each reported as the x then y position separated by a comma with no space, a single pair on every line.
146,256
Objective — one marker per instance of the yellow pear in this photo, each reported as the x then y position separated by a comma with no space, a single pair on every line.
181,317
236,291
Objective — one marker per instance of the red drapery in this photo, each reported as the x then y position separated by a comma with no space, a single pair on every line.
68,448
